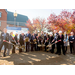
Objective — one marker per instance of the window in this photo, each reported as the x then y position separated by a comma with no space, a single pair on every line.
0,14
0,23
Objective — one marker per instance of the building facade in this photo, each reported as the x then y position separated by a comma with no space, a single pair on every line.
7,19
3,17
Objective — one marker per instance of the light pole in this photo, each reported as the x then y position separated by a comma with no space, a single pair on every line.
15,15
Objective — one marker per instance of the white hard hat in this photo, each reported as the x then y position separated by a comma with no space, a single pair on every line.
60,31
51,33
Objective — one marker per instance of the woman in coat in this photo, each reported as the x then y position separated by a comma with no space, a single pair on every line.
65,41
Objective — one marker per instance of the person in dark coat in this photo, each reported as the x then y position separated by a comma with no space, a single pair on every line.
28,43
39,39
12,40
36,34
74,46
50,40
21,41
55,40
46,39
4,38
16,38
71,41
61,43
33,45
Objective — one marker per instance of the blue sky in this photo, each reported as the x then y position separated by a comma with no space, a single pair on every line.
33,13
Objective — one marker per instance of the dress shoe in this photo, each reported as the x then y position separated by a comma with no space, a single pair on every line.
4,55
64,53
59,53
56,53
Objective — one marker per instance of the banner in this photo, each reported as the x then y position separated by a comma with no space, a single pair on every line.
25,30
17,30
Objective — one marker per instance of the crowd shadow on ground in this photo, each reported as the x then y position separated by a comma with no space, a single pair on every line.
38,58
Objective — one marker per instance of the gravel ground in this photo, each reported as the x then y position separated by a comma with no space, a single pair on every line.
37,58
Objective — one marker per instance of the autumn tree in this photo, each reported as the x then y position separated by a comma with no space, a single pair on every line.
65,21
38,24
30,26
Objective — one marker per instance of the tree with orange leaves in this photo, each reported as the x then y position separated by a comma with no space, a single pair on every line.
30,26
38,24
64,21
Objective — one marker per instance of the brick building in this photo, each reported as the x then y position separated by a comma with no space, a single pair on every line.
7,19
3,17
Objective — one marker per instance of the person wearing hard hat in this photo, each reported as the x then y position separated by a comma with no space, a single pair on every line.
50,40
61,43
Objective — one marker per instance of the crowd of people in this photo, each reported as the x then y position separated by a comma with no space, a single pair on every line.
55,39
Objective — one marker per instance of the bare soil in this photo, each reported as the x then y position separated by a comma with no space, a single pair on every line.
37,58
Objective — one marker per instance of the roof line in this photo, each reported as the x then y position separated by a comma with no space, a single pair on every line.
6,10
17,13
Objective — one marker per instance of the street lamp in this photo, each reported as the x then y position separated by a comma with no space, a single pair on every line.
15,15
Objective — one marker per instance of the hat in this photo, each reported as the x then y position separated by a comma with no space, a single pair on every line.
60,31
51,33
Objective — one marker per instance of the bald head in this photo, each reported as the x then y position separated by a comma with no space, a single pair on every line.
5,30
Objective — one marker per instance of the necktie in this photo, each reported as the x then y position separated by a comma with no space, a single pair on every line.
4,36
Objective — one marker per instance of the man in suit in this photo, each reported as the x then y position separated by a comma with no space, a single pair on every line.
16,38
12,40
36,34
71,41
28,43
56,39
50,40
21,41
74,46
39,39
4,38
32,42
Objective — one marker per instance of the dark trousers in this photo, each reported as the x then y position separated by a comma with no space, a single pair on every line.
65,48
5,47
57,48
53,47
35,46
38,48
13,50
61,46
71,47
32,45
46,46
1,45
74,48
27,46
